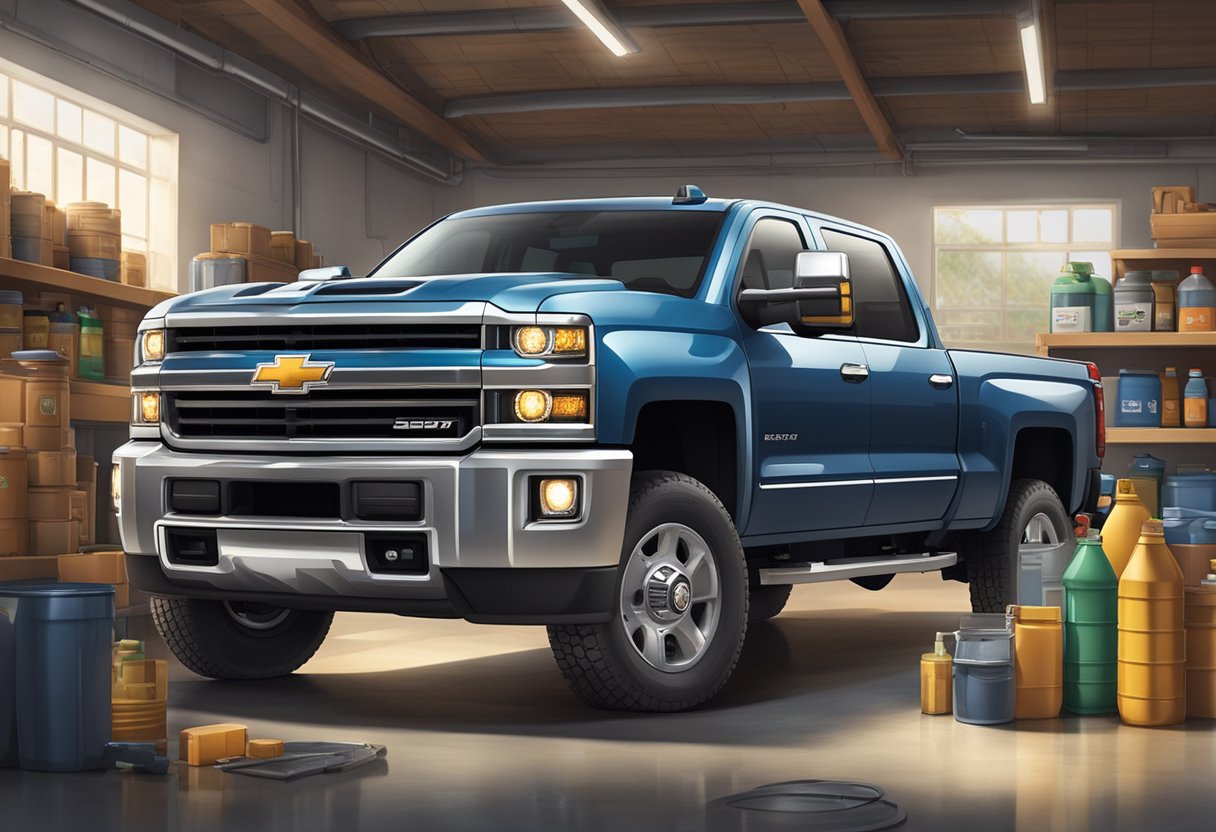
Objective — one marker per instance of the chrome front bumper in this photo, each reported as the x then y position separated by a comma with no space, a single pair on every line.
475,518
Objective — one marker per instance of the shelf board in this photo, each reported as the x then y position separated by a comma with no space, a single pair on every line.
22,275
1163,254
1160,436
1124,340
95,401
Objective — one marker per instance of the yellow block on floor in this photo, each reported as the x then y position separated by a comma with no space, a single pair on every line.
264,749
204,745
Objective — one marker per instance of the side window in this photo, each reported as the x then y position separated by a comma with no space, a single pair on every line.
883,309
771,251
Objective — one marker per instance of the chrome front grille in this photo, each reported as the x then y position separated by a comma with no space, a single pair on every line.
321,337
323,414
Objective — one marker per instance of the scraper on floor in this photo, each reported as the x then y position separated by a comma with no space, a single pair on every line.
300,759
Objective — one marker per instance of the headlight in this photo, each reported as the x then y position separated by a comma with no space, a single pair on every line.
152,345
116,484
533,405
147,408
562,341
547,406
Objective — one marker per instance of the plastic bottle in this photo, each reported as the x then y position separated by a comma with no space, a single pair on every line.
1152,634
1196,303
1078,286
1201,647
1122,527
1038,647
1150,468
91,360
1091,629
1171,399
1195,401
936,679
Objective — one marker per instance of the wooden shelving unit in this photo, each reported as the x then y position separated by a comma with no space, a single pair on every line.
1047,342
31,277
101,402
1180,259
1161,436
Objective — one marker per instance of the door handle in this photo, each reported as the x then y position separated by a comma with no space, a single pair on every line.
854,373
941,381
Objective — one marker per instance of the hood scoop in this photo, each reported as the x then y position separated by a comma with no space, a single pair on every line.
363,288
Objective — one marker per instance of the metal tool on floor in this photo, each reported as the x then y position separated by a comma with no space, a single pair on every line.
140,757
300,759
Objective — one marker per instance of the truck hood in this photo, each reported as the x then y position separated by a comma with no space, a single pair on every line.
510,292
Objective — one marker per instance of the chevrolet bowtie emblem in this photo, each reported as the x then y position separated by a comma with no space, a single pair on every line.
292,374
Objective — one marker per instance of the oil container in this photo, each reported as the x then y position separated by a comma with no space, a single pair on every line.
1041,566
1152,634
1196,303
91,363
1091,630
1190,488
1139,399
1149,467
1195,400
1200,647
1171,399
1135,302
60,672
935,678
1165,287
984,686
1038,644
1085,298
1122,529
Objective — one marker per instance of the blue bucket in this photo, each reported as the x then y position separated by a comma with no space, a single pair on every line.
1195,490
1138,404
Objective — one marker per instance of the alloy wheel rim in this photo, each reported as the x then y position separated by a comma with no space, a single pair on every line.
1040,531
256,616
670,601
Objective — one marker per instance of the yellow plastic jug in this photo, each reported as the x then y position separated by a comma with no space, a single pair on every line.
1038,648
936,679
1122,527
1152,634
1201,647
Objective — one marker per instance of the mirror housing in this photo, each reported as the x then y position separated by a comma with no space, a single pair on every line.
821,299
322,274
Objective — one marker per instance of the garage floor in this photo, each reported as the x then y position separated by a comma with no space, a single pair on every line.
483,734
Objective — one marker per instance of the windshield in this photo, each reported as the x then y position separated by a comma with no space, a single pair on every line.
651,251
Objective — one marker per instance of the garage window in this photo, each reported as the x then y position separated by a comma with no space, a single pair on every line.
994,266
72,147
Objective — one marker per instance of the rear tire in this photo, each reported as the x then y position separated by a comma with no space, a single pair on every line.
239,641
681,613
767,602
992,563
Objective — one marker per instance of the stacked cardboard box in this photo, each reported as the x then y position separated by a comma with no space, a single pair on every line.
107,566
135,268
1178,221
32,228
94,237
251,244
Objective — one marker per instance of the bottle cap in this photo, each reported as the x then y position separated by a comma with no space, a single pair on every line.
1155,527
1196,269
1125,489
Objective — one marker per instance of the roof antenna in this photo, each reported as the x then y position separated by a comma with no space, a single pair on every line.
689,195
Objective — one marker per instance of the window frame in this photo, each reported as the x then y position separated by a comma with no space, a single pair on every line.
902,276
1004,248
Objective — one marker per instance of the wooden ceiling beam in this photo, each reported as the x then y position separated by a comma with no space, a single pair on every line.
837,47
345,67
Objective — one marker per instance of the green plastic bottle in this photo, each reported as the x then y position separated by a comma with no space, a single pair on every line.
1091,628
1077,285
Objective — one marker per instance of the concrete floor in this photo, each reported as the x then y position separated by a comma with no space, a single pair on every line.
483,734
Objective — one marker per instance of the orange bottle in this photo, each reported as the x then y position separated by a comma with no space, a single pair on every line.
936,679
1038,645
1171,399
1152,635
1122,527
1201,647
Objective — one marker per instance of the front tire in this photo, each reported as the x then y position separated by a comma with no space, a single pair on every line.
224,640
766,602
1034,515
682,603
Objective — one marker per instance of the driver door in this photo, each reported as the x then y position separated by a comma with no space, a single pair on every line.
810,403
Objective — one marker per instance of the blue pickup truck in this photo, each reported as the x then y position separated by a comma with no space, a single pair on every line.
636,421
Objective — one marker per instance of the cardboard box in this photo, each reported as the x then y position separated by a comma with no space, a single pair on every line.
1183,226
14,479
204,745
265,270
92,217
50,502
283,247
52,468
1169,199
122,596
94,245
94,568
241,238
14,542
27,568
62,257
50,537
135,268
304,255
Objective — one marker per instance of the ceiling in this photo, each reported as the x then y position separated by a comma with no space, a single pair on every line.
1125,69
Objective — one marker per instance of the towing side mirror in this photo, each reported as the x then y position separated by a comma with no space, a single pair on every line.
821,298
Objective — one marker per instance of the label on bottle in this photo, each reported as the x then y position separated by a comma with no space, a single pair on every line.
1196,319
1171,416
1195,412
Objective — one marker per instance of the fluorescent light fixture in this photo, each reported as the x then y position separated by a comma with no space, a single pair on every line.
1032,54
602,24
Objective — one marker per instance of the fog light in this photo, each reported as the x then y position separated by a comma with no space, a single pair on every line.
533,405
116,484
558,497
570,407
149,407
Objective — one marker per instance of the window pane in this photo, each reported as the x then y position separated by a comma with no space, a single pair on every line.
1030,275
98,133
133,243
1100,259
1053,226
1092,225
18,160
968,279
969,326
132,147
69,177
968,226
3,96
99,184
39,165
34,107
67,122
133,200
4,151
1023,226
1023,324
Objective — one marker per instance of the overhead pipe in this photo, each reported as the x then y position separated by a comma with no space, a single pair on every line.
510,21
163,33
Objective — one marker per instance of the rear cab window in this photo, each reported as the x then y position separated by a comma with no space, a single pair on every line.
883,309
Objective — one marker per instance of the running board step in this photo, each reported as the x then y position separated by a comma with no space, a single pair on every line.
843,570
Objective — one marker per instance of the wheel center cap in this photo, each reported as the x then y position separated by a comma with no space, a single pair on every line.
681,596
